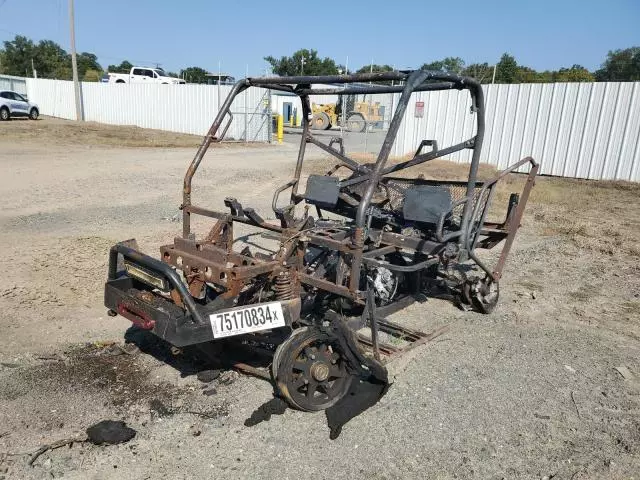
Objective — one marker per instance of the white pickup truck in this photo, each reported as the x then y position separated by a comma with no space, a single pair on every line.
142,75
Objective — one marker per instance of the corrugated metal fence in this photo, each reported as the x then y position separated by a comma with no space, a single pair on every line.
176,108
581,130
15,84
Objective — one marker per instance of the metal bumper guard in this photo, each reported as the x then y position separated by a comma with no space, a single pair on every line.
137,302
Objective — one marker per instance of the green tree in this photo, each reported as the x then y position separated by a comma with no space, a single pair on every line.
482,72
16,59
52,61
194,75
87,61
375,68
577,73
529,75
91,75
124,67
620,66
507,69
447,65
303,62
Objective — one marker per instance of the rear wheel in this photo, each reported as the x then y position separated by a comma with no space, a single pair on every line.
33,114
320,121
310,370
356,123
4,113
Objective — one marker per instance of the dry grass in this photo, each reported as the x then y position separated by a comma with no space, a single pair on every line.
63,132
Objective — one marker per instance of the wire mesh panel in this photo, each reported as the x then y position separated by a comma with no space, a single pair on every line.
397,188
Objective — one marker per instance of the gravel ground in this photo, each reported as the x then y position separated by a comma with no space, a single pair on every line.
530,391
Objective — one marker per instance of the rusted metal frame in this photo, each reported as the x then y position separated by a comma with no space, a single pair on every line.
417,160
218,273
440,225
222,233
266,82
515,220
248,369
514,223
329,287
306,114
202,149
490,237
220,137
374,89
399,331
409,243
372,262
426,338
415,78
373,321
385,348
483,217
339,245
477,99
379,252
280,88
218,215
276,194
426,143
349,163
490,183
155,265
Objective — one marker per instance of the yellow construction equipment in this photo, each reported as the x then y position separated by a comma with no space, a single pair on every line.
359,115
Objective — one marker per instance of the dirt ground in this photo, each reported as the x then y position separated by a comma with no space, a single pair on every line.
529,391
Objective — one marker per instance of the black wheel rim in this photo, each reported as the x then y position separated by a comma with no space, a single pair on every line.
312,374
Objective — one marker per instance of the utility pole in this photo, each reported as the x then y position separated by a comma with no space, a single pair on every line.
74,62
493,80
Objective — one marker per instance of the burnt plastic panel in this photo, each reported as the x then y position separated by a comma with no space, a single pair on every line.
322,191
426,203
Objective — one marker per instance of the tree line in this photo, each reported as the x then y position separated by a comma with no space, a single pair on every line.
619,65
21,56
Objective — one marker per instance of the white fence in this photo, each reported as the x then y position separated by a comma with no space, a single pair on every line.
176,108
15,84
580,130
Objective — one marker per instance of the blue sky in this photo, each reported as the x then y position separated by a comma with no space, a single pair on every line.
542,34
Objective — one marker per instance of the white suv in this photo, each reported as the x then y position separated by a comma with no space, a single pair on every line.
13,104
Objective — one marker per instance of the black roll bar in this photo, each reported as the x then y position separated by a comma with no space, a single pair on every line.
410,81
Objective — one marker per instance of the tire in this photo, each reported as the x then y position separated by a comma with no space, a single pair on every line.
120,81
356,123
320,121
288,375
34,114
4,114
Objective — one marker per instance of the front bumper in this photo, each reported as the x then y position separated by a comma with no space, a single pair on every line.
149,310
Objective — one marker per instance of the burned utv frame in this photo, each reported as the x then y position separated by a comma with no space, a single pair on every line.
377,243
